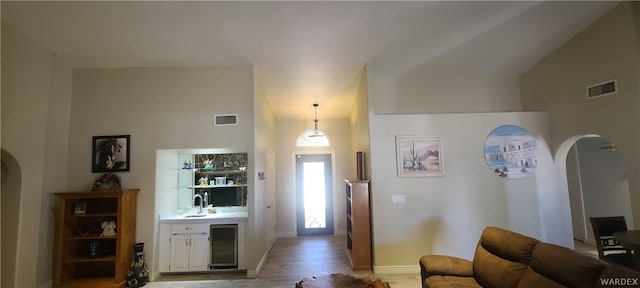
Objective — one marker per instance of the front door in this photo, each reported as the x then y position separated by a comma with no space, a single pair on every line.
314,193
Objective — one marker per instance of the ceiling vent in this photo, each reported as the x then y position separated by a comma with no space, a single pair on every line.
602,89
225,120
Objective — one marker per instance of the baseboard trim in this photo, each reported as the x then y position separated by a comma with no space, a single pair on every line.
254,273
153,276
286,234
397,269
341,232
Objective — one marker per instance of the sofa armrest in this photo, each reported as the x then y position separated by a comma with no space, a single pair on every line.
445,266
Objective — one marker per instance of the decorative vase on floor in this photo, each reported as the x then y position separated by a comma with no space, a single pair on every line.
138,274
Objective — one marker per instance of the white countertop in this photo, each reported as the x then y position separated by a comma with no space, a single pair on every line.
218,217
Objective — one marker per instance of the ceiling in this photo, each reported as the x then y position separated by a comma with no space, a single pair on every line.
303,52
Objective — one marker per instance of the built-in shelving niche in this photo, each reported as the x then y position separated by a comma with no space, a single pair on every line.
233,166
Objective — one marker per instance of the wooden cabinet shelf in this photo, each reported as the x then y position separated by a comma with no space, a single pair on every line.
93,215
84,257
358,224
84,260
90,237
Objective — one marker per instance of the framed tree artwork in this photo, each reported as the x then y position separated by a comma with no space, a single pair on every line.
110,153
419,156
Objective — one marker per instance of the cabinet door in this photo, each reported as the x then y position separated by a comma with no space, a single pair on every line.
179,253
199,254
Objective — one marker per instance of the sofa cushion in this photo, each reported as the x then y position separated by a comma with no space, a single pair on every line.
445,265
531,278
566,266
508,245
439,281
502,257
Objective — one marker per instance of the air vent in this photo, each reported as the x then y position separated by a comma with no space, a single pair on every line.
225,120
602,89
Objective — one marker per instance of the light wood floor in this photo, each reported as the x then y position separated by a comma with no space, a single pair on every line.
289,261
292,259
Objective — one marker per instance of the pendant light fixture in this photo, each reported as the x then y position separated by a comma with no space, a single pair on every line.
313,137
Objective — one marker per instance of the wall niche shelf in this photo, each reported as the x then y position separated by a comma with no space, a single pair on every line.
215,186
223,176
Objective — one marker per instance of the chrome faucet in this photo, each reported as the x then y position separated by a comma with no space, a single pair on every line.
199,205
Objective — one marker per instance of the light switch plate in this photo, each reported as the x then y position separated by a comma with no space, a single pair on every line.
399,199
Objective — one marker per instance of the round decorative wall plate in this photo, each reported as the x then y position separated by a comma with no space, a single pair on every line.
510,152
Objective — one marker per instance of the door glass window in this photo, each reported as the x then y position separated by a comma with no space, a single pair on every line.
314,195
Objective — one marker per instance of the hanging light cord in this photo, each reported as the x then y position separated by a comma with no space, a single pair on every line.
315,120
313,137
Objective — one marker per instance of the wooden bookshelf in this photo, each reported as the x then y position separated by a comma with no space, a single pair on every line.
358,224
84,257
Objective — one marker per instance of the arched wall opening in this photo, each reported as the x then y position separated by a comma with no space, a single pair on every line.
594,175
10,213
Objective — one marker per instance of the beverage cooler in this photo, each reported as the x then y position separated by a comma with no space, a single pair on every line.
224,246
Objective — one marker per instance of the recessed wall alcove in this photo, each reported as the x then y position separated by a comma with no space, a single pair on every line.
594,175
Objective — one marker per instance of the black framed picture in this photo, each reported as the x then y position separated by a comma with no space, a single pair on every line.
110,153
80,208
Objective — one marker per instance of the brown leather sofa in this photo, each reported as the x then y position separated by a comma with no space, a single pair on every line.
507,259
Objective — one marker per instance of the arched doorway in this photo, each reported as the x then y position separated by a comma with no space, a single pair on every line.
595,178
11,189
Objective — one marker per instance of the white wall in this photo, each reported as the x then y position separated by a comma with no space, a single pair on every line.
443,86
161,108
454,80
445,215
26,80
166,181
359,122
287,132
575,195
606,50
260,226
56,154
10,212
